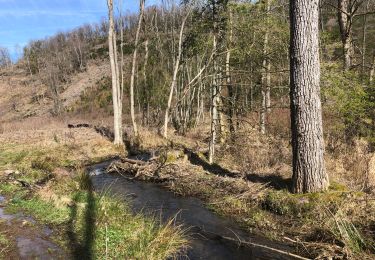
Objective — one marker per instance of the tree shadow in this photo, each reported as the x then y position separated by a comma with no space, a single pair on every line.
274,181
105,132
216,169
82,246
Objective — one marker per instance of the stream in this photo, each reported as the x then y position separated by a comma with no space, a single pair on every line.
210,236
208,233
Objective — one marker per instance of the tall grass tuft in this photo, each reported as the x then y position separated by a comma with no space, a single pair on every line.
344,230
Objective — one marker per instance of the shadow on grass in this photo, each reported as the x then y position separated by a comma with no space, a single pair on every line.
212,168
82,246
272,180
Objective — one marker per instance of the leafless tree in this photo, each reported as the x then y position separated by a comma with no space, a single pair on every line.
116,91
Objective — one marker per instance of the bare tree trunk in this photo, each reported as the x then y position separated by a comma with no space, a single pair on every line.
174,79
132,113
266,77
372,70
364,31
228,76
309,174
268,68
146,98
345,23
268,87
117,115
214,113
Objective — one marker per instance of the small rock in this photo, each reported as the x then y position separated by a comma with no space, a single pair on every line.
8,172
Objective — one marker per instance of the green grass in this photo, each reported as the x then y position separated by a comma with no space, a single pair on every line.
42,211
8,188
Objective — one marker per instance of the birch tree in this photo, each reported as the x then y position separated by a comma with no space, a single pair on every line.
116,91
134,64
174,78
266,76
309,174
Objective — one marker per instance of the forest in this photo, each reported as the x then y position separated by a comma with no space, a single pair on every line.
203,129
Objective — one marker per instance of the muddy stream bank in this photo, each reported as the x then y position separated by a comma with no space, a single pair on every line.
31,241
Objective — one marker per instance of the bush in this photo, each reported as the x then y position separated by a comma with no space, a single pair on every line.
349,102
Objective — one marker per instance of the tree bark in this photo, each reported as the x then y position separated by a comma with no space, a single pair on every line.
116,100
132,113
309,174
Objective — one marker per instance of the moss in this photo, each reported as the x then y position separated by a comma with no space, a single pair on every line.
335,186
285,203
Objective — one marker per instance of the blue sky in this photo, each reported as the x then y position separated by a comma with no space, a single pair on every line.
25,20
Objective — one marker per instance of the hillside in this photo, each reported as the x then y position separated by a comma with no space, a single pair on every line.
24,96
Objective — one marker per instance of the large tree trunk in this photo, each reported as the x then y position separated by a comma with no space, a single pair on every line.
132,114
345,16
309,173
116,92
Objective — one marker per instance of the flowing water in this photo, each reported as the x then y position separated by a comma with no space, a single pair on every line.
208,232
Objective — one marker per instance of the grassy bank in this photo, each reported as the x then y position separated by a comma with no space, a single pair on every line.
42,175
336,223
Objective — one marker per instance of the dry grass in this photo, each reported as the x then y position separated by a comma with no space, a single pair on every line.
52,141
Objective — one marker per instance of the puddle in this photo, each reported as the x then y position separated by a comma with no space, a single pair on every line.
38,248
6,217
29,241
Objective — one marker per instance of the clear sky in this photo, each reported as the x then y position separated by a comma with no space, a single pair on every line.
25,20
